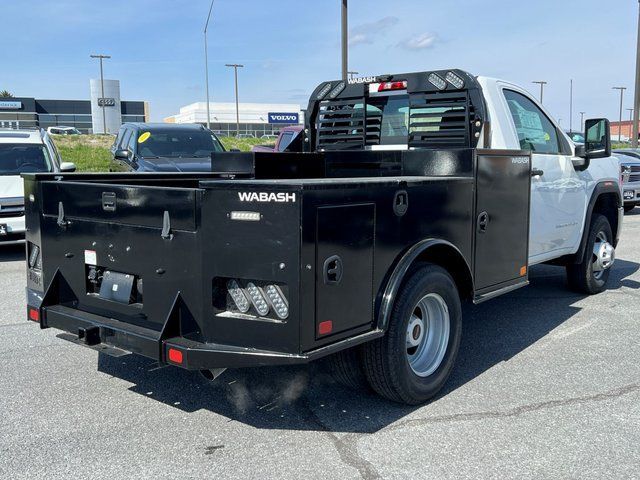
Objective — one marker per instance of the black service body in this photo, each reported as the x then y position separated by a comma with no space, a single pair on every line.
143,262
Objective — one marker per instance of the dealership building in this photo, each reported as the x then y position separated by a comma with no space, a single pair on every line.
255,118
88,116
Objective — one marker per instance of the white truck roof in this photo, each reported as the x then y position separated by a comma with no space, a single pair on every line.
21,136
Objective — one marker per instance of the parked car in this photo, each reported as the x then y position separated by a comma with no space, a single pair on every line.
22,151
241,136
286,138
269,137
362,250
163,147
63,131
630,176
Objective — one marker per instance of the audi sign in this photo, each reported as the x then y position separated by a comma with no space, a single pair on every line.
106,102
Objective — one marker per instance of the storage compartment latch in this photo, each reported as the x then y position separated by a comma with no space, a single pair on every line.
332,270
166,226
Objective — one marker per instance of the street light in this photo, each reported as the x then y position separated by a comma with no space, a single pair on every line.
345,40
235,67
104,115
636,103
622,89
206,65
630,110
542,84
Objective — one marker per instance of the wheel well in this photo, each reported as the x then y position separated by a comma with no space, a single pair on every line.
453,262
607,205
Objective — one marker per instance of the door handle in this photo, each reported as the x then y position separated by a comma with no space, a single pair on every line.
536,172
483,222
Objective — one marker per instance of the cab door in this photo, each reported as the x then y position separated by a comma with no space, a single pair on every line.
558,195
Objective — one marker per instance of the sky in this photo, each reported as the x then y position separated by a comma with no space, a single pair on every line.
288,47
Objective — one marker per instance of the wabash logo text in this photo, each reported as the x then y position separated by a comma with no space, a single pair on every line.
266,197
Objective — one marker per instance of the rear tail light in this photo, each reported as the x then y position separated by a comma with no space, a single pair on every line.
34,314
278,301
238,296
35,260
389,86
257,298
437,81
175,356
325,327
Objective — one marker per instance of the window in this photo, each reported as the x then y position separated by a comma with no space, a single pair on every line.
389,114
124,141
177,143
286,139
535,130
16,158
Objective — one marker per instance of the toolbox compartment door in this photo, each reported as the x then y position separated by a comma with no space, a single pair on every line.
502,218
344,273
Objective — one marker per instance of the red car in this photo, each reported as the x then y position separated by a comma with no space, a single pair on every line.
287,137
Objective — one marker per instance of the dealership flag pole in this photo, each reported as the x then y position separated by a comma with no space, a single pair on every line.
235,67
102,100
206,65
636,103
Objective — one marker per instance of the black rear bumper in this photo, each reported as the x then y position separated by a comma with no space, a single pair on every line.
93,330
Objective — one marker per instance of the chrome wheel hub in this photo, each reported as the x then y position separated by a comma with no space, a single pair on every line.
427,335
604,255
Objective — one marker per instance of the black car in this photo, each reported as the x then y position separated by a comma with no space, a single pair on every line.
161,147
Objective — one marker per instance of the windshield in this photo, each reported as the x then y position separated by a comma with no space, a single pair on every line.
576,137
178,144
16,158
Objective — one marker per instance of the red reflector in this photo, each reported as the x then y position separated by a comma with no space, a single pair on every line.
175,356
386,86
325,327
34,314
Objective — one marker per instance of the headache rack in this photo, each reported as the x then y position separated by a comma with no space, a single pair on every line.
444,116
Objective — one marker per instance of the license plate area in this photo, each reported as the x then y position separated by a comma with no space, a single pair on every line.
124,288
3,229
629,194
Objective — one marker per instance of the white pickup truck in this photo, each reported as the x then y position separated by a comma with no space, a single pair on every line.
414,192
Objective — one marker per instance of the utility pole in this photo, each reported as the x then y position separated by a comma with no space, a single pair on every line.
104,115
235,67
630,110
206,65
582,121
622,89
636,103
352,74
571,107
345,40
542,84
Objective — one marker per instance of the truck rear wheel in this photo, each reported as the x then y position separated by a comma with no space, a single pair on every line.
411,363
591,274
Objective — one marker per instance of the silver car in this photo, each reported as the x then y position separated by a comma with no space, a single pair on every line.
630,176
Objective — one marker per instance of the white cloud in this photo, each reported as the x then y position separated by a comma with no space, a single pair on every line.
367,32
420,42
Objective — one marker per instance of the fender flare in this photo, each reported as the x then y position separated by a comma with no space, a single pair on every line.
399,273
601,188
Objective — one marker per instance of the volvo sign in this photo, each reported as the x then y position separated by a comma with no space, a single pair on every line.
286,118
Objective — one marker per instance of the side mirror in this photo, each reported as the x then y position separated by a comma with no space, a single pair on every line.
597,142
235,150
122,155
67,167
597,138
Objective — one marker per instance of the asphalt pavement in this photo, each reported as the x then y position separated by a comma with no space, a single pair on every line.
547,385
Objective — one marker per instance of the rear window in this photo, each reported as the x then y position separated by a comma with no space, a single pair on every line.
166,143
23,158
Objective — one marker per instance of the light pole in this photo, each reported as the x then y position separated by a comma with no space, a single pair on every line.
636,103
352,74
206,65
542,84
571,106
582,120
345,40
622,89
104,115
235,67
630,110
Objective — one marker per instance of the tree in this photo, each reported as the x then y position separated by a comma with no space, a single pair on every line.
6,94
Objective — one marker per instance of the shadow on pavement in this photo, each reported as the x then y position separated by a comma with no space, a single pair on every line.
12,253
306,398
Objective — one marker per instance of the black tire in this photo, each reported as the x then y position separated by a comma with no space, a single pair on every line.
580,276
346,368
628,208
385,359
